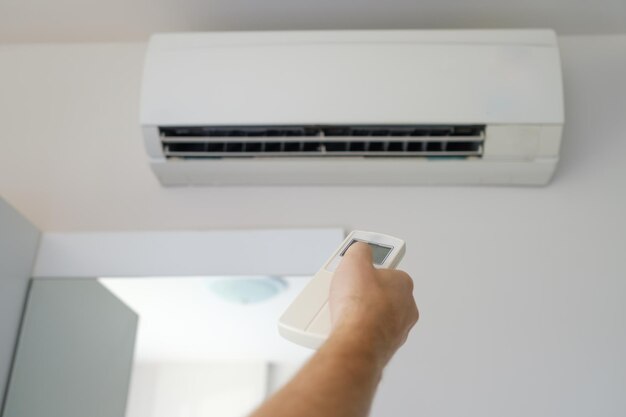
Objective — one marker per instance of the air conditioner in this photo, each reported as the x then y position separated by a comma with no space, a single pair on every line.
353,107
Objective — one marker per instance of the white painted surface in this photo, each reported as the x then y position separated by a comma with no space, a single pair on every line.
196,389
119,20
19,240
182,320
75,352
377,77
242,252
279,374
82,165
521,290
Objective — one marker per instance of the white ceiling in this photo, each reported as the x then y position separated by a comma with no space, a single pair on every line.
123,20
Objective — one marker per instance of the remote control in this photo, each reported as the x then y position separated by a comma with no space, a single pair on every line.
307,320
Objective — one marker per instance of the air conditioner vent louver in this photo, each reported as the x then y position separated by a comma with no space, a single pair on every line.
289,141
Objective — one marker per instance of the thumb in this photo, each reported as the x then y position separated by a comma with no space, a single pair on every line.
357,256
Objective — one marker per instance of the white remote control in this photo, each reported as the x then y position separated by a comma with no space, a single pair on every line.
307,320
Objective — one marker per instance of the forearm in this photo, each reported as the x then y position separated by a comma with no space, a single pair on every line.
338,381
372,312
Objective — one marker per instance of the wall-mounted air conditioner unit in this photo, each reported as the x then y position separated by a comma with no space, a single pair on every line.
353,107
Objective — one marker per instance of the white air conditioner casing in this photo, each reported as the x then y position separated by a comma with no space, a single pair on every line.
353,107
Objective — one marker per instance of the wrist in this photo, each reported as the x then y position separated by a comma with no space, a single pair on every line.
361,341
371,326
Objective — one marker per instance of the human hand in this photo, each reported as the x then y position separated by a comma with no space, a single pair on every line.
375,305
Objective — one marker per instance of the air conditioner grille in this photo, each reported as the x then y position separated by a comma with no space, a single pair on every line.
276,141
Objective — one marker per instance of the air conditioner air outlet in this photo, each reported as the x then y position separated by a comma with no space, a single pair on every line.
212,149
322,140
322,131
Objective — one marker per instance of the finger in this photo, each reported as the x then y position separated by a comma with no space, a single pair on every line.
358,255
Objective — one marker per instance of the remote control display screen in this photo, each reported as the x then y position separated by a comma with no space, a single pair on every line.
379,252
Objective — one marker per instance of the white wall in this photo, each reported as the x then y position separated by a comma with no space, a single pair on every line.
18,247
120,20
73,157
196,389
521,289
75,352
279,373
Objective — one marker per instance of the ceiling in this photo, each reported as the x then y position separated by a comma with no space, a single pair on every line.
123,20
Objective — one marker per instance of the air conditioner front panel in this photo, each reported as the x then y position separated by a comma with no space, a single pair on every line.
278,79
353,171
